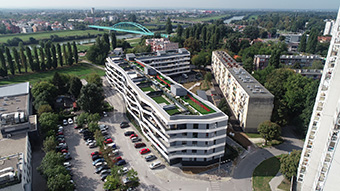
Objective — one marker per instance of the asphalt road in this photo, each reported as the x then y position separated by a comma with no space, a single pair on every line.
83,171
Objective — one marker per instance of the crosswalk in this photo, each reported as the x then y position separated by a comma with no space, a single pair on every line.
215,186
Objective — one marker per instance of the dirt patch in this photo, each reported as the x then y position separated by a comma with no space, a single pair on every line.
191,170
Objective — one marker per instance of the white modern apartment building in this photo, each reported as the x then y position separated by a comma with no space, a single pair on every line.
328,27
168,62
250,102
182,127
319,165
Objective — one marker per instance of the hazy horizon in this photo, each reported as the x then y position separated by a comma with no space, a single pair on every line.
174,4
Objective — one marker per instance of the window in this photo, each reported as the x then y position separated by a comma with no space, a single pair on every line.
206,143
184,151
195,126
207,135
195,135
213,150
184,142
194,142
214,142
205,159
205,151
194,159
194,151
207,126
184,134
182,126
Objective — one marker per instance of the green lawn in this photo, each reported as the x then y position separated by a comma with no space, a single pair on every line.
84,47
160,99
47,35
133,42
253,135
172,111
285,185
207,18
252,17
198,107
146,89
80,70
264,172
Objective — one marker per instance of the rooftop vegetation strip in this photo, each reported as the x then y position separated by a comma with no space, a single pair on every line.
140,64
166,83
198,103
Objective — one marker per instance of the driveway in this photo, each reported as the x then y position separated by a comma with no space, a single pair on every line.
83,171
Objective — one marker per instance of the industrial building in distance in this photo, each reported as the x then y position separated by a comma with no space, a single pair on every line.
262,61
17,122
319,163
168,62
250,102
184,128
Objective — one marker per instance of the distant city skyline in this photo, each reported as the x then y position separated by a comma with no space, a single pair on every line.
153,4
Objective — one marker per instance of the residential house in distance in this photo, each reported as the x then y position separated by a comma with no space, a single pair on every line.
311,73
250,102
16,125
161,44
168,62
328,27
182,127
262,61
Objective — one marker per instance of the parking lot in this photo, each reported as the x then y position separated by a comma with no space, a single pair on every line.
82,169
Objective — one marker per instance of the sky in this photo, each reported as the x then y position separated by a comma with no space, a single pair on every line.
146,4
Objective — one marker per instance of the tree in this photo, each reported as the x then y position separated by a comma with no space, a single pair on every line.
179,30
168,26
95,79
69,54
44,108
60,182
112,182
75,86
93,118
132,175
251,32
60,81
60,56
192,44
10,61
93,126
48,121
55,171
82,118
290,163
312,41
48,57
113,40
36,65
65,55
23,58
91,98
106,43
303,43
50,160
16,59
3,64
132,18
49,144
269,131
42,59
75,52
274,59
54,57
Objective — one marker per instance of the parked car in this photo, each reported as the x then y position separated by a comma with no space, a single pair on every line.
144,151
98,160
103,176
60,127
70,121
83,130
93,145
150,158
88,141
126,180
107,137
123,171
61,140
60,133
118,158
155,165
135,139
121,163
60,148
114,153
103,127
124,124
95,157
60,136
99,169
133,135
128,133
64,151
105,171
76,126
112,145
67,157
104,133
98,164
67,164
96,153
107,141
65,122
139,145
104,114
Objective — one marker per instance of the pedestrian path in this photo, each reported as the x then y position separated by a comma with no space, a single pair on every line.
276,181
215,186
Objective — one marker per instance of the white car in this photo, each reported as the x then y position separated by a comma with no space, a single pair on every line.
67,164
103,127
90,141
93,144
70,121
104,114
155,165
65,122
123,171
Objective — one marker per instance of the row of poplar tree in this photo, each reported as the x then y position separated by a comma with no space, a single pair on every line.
42,58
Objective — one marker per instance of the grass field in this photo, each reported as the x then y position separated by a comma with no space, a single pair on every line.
160,99
253,135
285,185
47,35
198,107
146,89
133,41
84,47
80,70
252,17
172,111
206,18
264,172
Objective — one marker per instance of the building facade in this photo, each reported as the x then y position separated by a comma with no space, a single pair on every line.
249,101
161,44
319,163
182,127
328,27
168,62
262,61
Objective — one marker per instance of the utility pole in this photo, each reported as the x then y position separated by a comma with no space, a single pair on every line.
219,165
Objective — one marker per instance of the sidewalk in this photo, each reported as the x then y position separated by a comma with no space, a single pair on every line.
276,181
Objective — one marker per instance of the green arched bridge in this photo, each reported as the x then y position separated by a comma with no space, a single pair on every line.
129,27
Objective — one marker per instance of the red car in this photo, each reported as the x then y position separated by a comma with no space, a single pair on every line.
107,141
76,126
144,151
60,133
64,151
96,153
61,141
139,145
133,135
118,158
